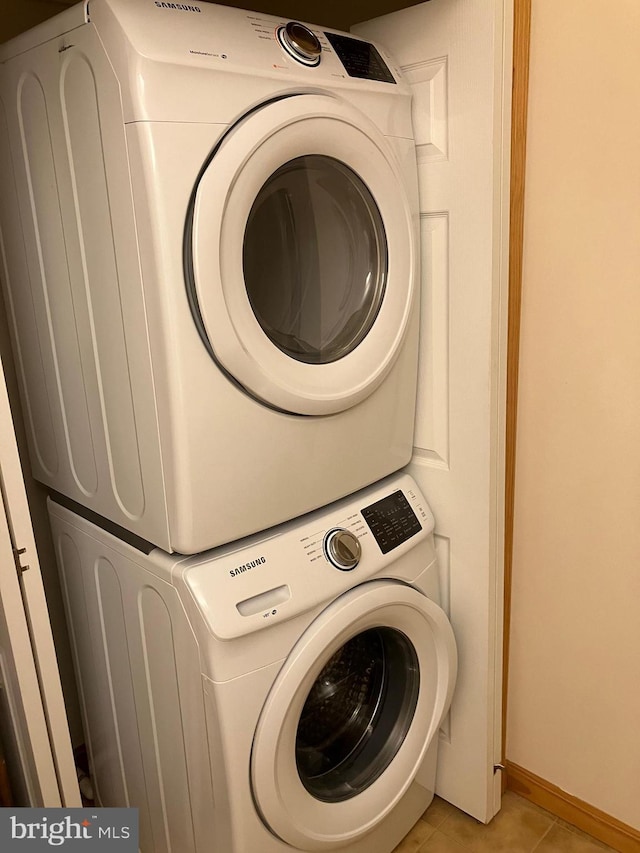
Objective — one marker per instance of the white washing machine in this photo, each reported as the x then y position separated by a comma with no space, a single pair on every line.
212,272
284,693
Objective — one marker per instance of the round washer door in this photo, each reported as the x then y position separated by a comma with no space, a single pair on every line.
300,255
351,715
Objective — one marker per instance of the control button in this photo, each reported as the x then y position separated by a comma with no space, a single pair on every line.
300,42
342,549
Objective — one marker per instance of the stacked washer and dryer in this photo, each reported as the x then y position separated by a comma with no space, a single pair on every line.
209,227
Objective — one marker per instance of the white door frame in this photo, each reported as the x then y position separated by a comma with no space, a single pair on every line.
29,668
457,58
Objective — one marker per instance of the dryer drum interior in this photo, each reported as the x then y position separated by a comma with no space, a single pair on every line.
357,714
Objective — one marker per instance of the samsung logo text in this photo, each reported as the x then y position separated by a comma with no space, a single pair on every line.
180,6
246,567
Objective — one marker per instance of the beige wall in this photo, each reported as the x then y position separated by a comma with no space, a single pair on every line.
574,700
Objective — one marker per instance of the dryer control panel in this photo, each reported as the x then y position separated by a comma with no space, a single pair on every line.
185,53
360,58
209,35
300,42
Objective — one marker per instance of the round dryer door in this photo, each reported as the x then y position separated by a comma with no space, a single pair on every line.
351,715
300,255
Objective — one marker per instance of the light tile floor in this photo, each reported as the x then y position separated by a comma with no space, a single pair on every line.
519,827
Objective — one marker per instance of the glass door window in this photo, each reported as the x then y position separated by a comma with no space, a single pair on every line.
351,715
300,256
315,259
357,714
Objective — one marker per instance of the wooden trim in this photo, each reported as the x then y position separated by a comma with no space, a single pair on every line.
521,39
588,818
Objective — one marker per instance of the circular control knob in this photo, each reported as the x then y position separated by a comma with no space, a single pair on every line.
299,41
342,549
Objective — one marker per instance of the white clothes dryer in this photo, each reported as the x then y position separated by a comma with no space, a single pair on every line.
210,232
280,694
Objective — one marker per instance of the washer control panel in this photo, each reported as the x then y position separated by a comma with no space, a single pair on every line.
342,548
392,521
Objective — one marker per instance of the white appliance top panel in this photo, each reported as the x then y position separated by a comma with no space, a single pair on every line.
211,64
212,35
263,580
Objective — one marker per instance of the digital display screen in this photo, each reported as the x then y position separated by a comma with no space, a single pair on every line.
392,521
360,59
